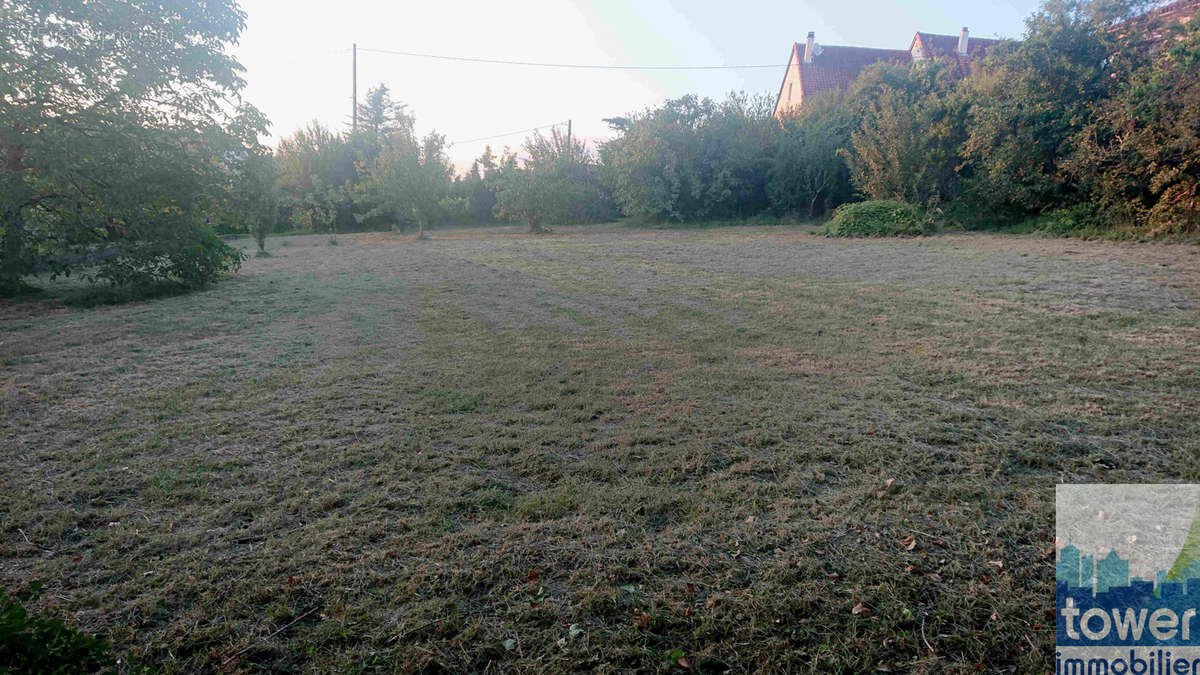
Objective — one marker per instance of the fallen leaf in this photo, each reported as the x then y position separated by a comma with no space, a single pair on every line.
909,543
860,610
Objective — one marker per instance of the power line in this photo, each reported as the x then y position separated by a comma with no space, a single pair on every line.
511,133
579,66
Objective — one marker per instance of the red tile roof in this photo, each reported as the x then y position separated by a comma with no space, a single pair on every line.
834,68
1157,25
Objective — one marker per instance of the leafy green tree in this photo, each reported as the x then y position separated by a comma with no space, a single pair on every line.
316,175
807,172
379,115
692,158
558,183
137,84
318,209
1029,100
1140,157
910,128
254,196
409,182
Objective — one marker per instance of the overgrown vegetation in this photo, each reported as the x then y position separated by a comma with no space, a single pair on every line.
879,218
1081,113
116,133
1084,113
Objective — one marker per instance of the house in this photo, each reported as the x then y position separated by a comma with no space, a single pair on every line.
1159,25
814,68
962,47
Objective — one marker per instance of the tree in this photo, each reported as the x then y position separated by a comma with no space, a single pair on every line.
1140,157
317,175
1030,99
408,182
379,115
910,129
807,169
692,158
558,183
143,85
254,195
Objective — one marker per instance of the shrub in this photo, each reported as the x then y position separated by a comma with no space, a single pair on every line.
692,159
1081,220
807,175
879,218
191,257
30,643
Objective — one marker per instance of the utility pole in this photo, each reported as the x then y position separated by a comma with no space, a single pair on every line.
569,151
354,89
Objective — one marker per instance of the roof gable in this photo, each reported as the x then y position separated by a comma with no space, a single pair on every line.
934,45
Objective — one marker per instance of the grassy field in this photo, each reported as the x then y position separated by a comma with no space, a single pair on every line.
604,449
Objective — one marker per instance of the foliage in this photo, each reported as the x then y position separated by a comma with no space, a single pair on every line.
1030,99
879,218
1141,155
144,86
807,173
910,127
316,165
379,115
558,183
31,643
692,159
1080,220
407,182
254,196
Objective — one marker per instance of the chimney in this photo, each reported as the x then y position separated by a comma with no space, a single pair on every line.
962,42
810,47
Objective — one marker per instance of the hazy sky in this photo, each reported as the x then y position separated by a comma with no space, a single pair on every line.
297,54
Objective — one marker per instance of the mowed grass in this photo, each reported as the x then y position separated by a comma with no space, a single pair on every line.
746,449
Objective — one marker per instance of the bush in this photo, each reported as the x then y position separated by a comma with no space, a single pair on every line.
190,258
807,175
33,644
692,159
1081,220
879,218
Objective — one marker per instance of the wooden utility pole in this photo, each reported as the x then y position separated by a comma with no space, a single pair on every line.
354,88
569,152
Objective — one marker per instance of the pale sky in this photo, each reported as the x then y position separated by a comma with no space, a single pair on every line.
298,63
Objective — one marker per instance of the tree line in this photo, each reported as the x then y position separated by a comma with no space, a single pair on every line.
124,146
1082,126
